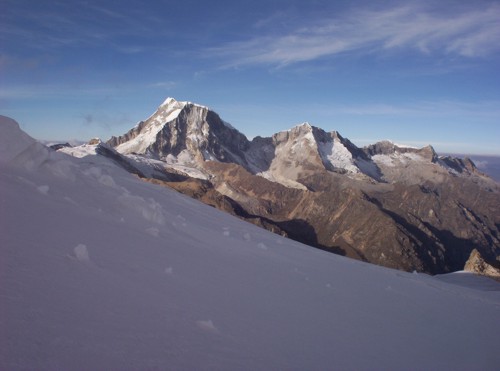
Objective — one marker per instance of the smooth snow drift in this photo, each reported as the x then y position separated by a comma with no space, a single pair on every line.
99,270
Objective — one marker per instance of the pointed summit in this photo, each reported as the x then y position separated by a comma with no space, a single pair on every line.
172,103
183,132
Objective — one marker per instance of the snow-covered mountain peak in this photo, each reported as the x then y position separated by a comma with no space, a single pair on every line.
183,133
169,101
172,103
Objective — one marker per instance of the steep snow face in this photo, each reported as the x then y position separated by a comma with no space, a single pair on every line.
337,155
99,270
147,134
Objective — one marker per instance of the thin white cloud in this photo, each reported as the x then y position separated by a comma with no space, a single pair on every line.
440,108
164,85
466,33
82,24
70,91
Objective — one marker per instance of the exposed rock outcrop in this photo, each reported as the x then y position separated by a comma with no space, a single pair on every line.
478,265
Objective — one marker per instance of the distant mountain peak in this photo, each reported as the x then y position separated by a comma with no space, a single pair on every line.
387,147
183,132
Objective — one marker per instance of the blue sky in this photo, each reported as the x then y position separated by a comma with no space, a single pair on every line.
416,72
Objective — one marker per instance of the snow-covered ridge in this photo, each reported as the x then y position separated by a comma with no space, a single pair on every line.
12,140
195,143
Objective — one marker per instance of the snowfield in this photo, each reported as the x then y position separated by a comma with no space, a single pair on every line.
101,271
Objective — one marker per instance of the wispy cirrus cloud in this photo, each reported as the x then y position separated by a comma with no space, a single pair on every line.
60,24
465,32
437,109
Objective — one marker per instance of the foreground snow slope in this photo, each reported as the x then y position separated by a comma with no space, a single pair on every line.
99,270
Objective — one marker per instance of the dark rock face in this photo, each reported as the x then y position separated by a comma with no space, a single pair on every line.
131,134
399,207
58,146
460,165
194,129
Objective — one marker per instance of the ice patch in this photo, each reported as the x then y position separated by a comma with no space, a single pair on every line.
81,253
246,236
226,232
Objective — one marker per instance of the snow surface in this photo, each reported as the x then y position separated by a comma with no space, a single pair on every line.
101,271
152,168
80,151
398,159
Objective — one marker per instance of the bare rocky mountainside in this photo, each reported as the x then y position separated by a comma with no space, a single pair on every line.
394,206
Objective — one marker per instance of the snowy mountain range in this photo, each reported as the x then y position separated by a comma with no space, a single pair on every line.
387,204
186,135
101,270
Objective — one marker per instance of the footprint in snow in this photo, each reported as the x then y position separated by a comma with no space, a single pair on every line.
43,189
207,326
81,253
155,232
262,246
246,236
226,231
